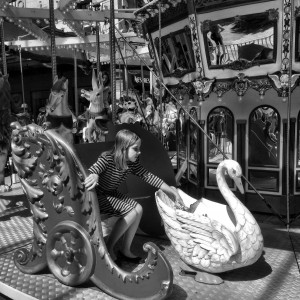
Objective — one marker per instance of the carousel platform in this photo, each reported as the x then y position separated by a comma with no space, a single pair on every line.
274,276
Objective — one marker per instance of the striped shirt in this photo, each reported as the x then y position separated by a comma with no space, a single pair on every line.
110,177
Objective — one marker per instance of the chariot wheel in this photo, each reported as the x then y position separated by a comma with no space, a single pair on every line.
70,255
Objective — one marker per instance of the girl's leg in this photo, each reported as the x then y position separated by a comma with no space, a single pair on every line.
130,233
119,229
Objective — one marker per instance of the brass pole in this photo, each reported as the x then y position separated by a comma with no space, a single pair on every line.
52,39
4,63
112,59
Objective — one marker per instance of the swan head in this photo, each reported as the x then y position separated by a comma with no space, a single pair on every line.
234,171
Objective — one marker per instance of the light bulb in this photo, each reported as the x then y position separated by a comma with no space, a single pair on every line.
284,99
240,98
220,99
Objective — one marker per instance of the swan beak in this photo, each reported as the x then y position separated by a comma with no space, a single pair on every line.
239,184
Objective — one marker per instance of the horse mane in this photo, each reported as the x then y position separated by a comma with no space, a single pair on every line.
59,84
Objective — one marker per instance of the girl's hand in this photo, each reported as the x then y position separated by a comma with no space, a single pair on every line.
178,200
91,181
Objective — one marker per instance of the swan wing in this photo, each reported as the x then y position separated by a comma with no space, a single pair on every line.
214,243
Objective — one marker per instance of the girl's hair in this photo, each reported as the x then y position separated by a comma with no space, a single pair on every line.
124,139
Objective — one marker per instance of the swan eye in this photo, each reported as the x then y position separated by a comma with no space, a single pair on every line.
234,171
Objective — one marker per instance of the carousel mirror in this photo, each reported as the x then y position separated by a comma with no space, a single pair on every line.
177,53
297,37
241,42
220,129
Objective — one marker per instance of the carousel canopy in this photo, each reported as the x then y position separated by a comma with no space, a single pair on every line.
26,28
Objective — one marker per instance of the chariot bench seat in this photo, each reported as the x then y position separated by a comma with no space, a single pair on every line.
67,231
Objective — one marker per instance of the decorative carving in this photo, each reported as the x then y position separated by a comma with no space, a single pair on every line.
286,29
196,44
203,87
240,64
241,84
281,82
261,85
221,87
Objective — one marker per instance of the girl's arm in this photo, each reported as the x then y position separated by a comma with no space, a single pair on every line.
91,181
155,181
98,167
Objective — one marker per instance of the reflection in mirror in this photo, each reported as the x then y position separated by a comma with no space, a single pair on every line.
220,129
264,180
241,42
264,133
193,135
177,53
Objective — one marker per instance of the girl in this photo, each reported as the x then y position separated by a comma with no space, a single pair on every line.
106,175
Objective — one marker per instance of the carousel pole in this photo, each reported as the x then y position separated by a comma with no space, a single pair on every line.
142,78
22,79
98,47
125,70
52,39
75,83
160,75
112,59
288,121
4,63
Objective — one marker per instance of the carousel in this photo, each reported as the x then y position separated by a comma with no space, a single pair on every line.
210,87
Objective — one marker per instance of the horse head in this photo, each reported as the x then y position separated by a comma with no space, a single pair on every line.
58,99
96,95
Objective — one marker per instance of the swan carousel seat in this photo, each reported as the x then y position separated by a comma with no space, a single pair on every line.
209,236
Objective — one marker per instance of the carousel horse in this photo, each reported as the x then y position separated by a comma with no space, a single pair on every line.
151,115
209,236
5,118
97,113
59,117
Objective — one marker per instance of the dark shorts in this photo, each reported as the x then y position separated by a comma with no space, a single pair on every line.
114,203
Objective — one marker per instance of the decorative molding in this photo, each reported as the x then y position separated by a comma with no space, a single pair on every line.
196,44
286,29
